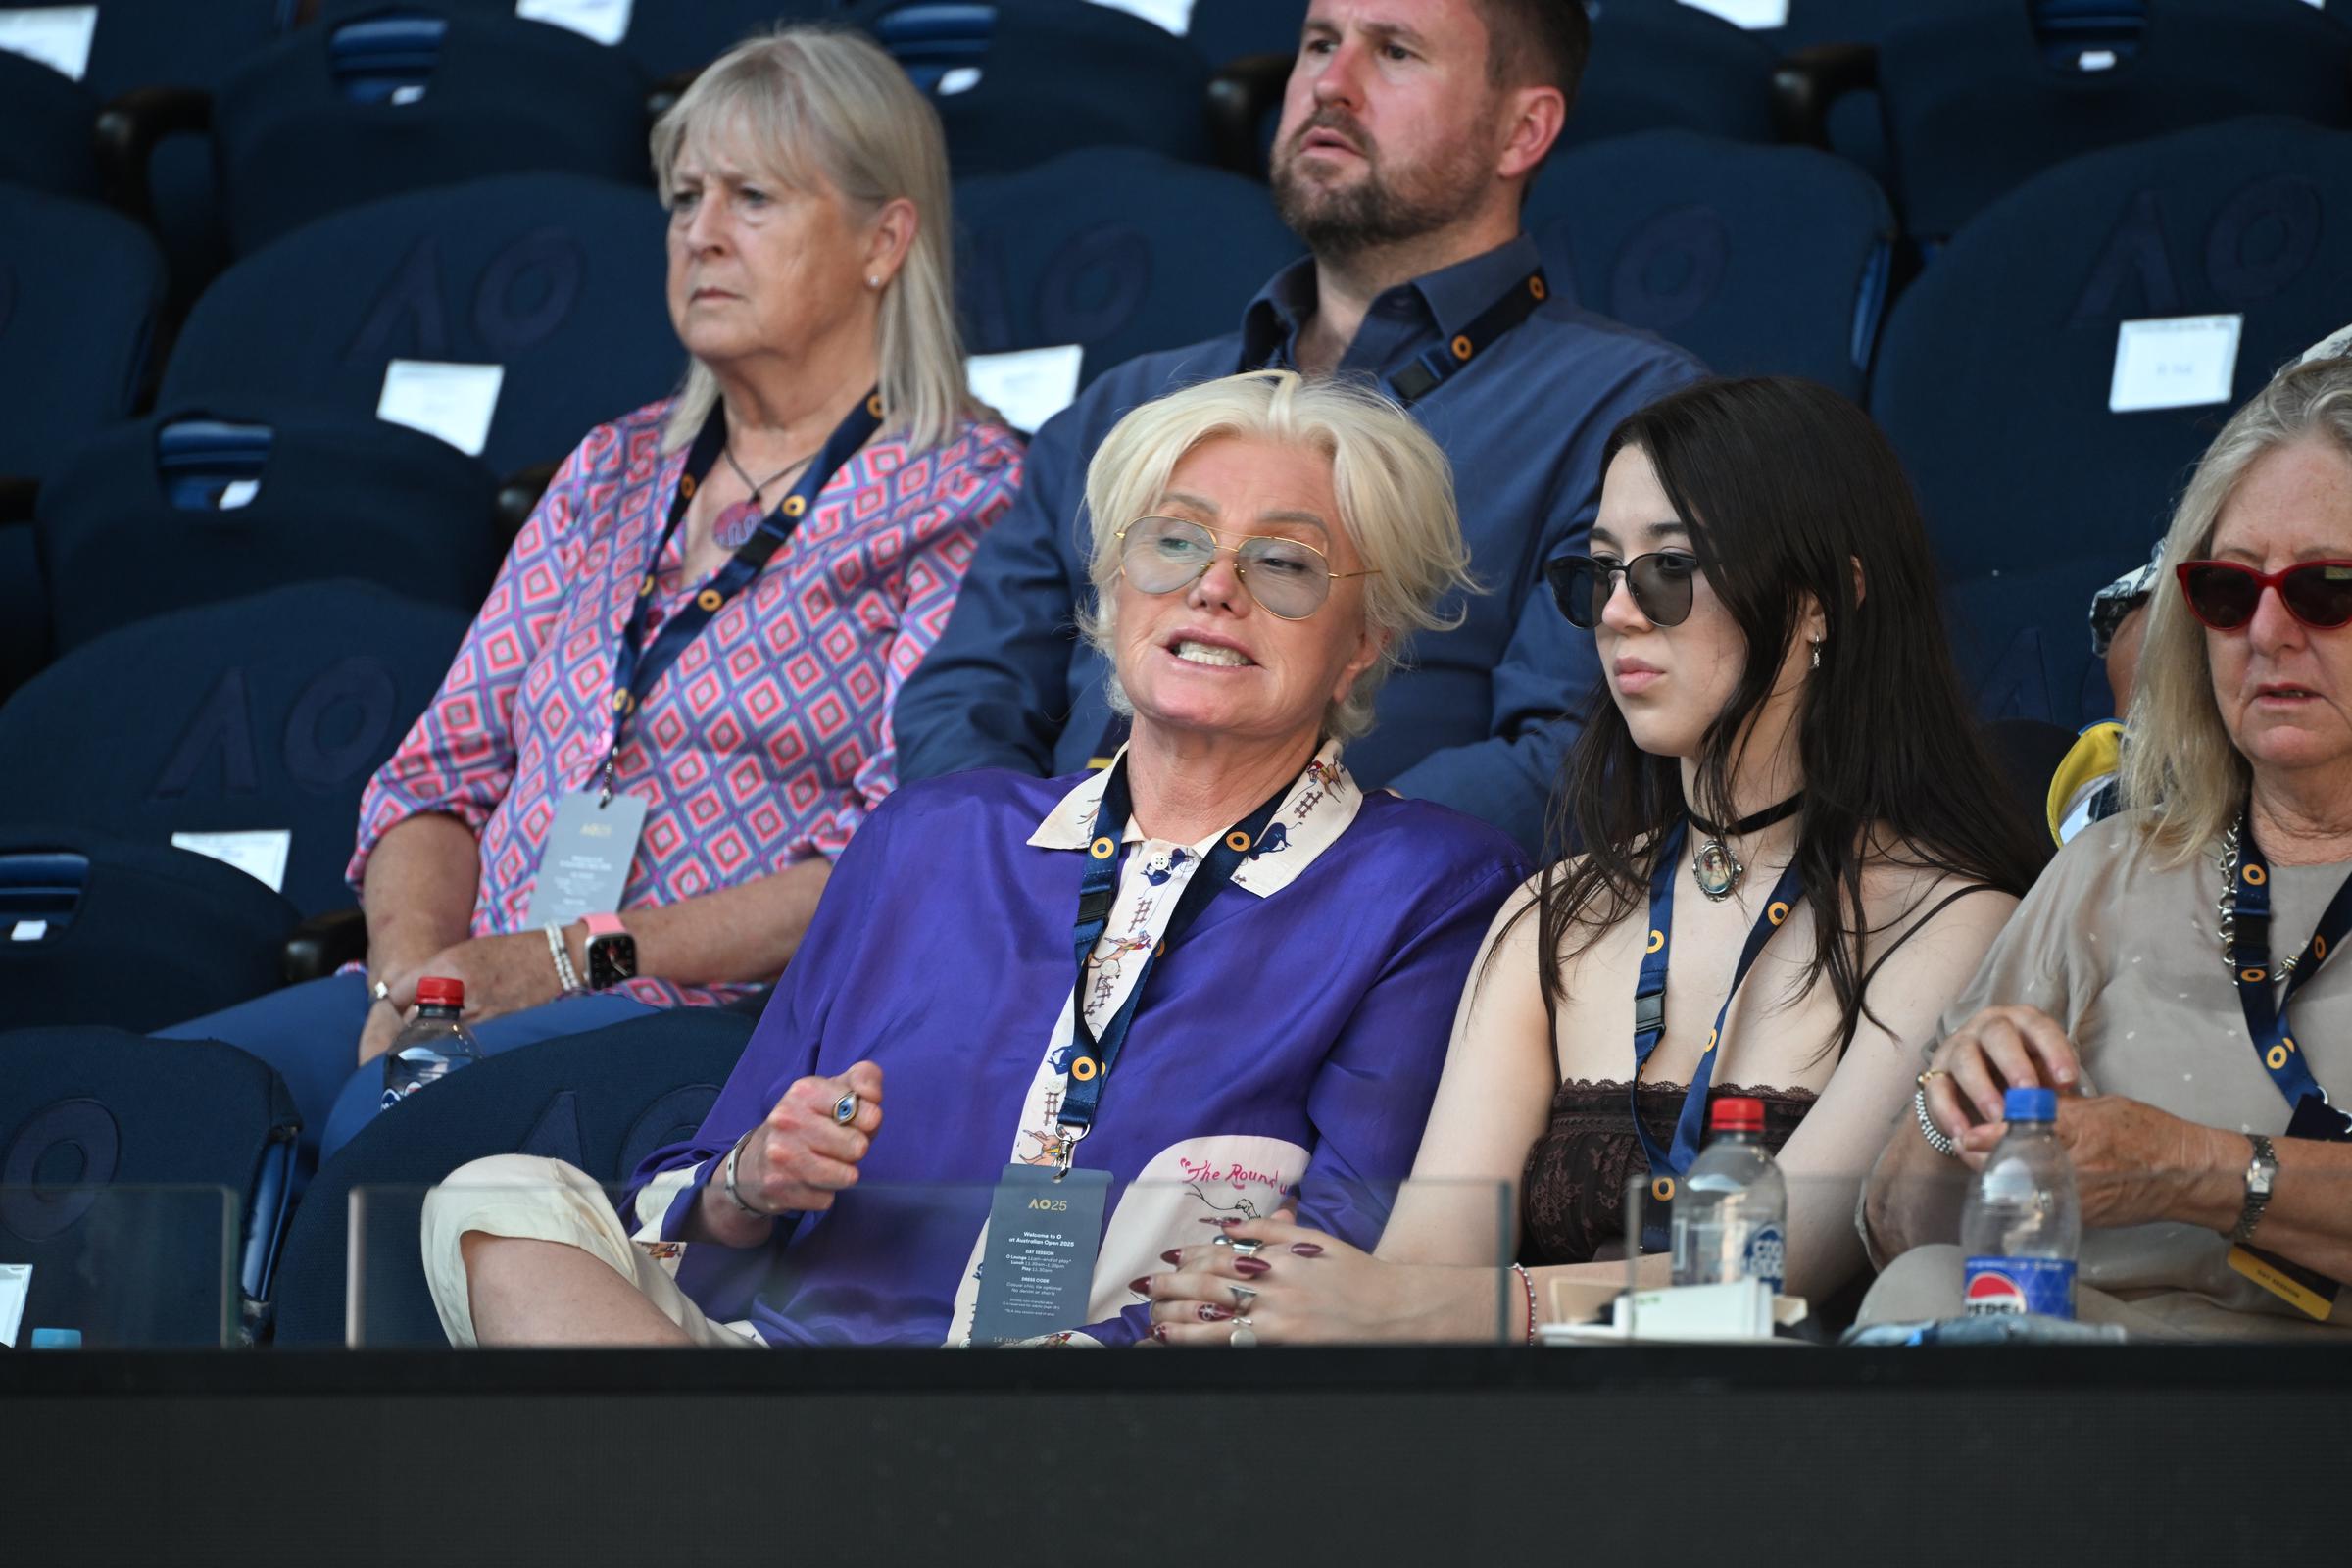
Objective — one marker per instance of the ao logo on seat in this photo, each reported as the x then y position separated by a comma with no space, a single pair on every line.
339,725
1088,292
53,1166
524,294
2261,240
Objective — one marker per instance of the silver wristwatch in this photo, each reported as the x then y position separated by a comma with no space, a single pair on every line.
2260,1174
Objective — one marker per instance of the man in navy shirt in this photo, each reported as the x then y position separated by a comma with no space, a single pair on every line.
1411,129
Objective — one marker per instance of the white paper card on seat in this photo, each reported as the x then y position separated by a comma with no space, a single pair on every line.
58,36
963,78
29,931
16,1283
605,21
1746,13
239,493
454,402
2174,361
1028,386
259,854
1174,14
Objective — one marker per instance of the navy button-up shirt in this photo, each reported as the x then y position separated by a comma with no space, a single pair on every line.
1479,716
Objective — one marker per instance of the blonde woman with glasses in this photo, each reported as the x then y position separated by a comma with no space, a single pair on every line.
1108,1009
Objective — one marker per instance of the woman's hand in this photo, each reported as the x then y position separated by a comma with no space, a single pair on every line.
1999,1048
1310,1288
800,1157
2135,1165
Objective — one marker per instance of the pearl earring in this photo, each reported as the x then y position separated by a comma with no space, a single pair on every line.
873,283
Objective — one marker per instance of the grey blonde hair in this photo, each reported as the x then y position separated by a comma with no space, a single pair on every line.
1393,483
2181,763
815,102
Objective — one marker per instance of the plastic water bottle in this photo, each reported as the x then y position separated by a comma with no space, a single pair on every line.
2022,1226
433,1044
1731,1215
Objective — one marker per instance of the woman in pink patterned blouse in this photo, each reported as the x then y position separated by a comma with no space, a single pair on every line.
630,788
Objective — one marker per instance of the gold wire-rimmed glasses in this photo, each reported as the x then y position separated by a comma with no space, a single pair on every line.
1289,578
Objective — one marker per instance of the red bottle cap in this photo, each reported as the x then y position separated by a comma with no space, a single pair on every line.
439,991
1735,1114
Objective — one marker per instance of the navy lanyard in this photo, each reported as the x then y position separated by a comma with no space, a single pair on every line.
2266,1011
1649,1024
638,666
1092,1056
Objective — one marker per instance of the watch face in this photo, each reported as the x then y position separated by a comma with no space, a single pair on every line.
611,960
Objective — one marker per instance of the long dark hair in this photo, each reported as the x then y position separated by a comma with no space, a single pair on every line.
1785,486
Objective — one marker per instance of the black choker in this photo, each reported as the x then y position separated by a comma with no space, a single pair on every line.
1712,862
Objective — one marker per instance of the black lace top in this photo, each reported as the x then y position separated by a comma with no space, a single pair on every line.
1572,1193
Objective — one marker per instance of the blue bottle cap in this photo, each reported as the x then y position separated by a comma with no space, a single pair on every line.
2030,1105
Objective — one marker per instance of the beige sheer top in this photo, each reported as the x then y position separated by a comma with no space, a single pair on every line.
2126,954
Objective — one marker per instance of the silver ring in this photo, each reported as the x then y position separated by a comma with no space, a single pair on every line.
845,1109
1242,1295
382,991
1242,1246
1243,1336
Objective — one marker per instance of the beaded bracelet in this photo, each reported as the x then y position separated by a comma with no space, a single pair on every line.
1529,1283
1936,1138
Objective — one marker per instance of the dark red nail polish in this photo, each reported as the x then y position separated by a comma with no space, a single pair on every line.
1306,1249
1251,1267
1213,1314
1229,1220
1141,1285
1172,1255
1160,1332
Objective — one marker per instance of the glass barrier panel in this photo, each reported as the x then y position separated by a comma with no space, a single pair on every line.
118,1267
1262,1261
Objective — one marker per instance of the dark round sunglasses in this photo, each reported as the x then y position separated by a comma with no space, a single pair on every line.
2225,594
1660,583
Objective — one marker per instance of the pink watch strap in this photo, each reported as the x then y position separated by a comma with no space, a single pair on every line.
604,925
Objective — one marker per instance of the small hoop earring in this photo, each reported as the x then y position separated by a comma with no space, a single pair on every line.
1816,656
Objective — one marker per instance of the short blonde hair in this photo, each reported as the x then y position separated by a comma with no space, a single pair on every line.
1394,486
2182,762
817,102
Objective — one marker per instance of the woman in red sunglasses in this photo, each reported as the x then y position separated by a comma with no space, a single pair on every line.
2174,974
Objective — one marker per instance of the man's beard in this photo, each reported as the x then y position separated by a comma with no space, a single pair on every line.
1371,213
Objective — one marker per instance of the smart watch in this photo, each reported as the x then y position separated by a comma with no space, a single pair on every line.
611,952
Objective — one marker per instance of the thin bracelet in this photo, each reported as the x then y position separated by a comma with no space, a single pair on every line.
1528,1280
732,1155
1936,1138
566,975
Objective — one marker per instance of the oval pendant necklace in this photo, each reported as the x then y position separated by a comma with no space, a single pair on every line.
1717,869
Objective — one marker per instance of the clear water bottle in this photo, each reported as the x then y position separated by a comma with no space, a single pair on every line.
433,1044
1730,1214
2022,1226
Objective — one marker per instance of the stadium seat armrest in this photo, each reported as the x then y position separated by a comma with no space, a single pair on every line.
323,944
17,495
130,127
1239,97
1806,83
520,493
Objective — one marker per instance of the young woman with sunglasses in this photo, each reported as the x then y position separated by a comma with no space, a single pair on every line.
2177,959
1795,849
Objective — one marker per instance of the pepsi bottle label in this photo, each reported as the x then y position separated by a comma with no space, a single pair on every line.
1766,1258
2043,1285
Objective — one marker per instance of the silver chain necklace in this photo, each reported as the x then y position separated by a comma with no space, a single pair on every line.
2224,908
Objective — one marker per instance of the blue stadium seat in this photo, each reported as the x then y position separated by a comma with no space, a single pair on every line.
1758,260
1115,248
1019,81
79,289
97,931
24,607
260,715
600,1101
96,1119
1994,376
179,509
46,124
1977,102
381,99
1661,68
558,279
1223,31
668,36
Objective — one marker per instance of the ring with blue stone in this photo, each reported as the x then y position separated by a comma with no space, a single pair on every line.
845,1109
